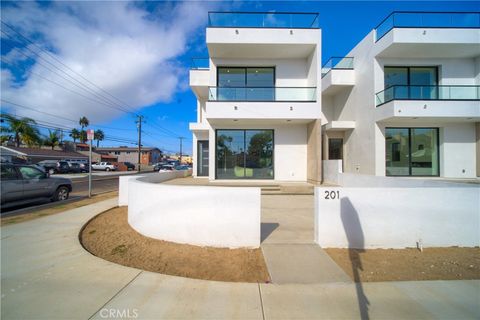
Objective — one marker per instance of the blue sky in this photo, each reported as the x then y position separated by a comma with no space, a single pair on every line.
141,52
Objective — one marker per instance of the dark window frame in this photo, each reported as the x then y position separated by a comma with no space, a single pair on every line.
437,129
244,156
248,67
436,67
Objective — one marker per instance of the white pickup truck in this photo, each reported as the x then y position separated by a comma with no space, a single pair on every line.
106,166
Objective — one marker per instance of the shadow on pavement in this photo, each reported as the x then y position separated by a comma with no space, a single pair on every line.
266,229
356,242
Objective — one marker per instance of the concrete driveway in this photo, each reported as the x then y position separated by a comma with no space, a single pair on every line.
46,274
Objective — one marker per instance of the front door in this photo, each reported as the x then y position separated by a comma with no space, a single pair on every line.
335,146
202,158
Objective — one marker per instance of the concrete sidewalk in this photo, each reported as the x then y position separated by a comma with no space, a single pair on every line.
46,274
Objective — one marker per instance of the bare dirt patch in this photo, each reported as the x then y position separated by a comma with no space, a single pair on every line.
410,264
109,236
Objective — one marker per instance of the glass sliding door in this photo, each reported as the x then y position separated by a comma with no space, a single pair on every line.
412,152
411,83
397,152
230,154
423,82
244,154
424,151
245,84
259,154
202,158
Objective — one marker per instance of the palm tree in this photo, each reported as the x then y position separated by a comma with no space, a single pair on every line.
23,130
99,136
52,139
83,122
75,134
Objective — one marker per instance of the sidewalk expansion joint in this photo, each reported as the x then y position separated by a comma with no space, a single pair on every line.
261,300
116,294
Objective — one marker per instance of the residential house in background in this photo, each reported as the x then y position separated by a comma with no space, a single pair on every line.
258,98
35,155
128,154
406,100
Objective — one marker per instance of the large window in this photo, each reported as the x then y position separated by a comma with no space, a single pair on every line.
411,82
244,154
412,152
246,83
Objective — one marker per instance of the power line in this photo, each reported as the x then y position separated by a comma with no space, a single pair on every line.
63,64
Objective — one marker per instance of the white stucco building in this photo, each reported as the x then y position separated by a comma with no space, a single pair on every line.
259,98
405,102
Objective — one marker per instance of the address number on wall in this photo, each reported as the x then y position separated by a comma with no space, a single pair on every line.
332,195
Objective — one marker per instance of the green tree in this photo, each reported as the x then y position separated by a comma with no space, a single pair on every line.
99,136
83,122
22,130
74,134
52,139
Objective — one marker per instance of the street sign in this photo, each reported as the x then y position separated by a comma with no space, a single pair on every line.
90,134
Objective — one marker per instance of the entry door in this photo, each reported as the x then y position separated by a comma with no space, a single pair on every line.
335,147
202,158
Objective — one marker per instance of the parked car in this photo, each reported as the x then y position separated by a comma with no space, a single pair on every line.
182,167
129,165
106,166
48,165
21,184
166,168
158,165
84,166
75,167
62,167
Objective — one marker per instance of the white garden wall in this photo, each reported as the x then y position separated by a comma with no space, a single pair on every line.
196,215
397,217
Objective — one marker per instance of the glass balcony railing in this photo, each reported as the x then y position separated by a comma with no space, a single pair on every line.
292,20
340,63
200,63
401,19
453,92
272,94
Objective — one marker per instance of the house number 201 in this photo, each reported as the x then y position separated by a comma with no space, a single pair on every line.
332,195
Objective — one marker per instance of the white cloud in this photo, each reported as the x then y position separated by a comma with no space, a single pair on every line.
122,47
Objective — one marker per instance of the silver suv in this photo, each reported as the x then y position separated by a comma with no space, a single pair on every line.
22,184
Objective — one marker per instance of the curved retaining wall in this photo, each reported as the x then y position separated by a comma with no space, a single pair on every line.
196,215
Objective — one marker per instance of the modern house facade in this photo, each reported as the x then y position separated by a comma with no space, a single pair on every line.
406,100
259,98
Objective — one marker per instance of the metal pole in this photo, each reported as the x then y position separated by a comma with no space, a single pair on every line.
139,121
181,139
90,171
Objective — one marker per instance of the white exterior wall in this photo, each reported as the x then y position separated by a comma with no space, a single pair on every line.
365,145
295,55
365,218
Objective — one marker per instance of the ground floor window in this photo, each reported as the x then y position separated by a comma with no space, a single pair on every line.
412,152
244,154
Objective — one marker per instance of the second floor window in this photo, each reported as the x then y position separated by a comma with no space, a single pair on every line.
411,82
246,83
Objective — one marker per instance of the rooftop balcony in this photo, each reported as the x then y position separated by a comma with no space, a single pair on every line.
429,35
285,20
449,103
257,35
199,77
337,74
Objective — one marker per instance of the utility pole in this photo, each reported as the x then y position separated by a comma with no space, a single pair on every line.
139,126
181,144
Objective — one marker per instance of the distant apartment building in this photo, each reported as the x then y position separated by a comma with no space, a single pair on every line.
259,98
406,100
128,154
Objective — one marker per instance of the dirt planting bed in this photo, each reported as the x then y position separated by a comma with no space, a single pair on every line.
109,236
